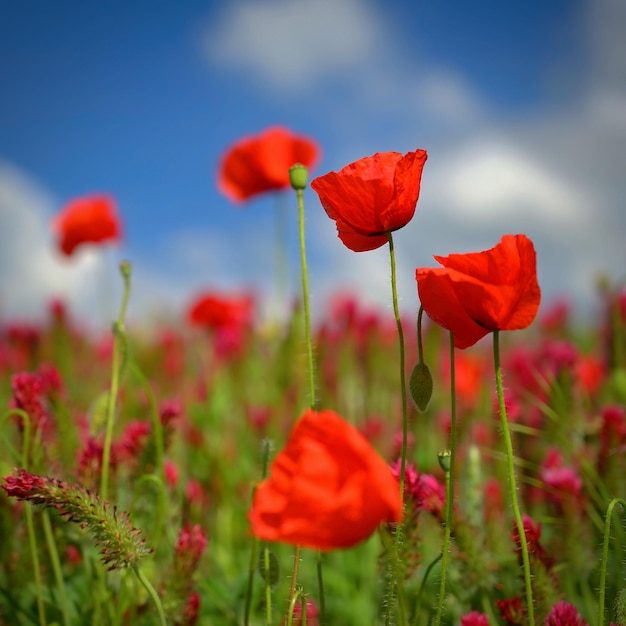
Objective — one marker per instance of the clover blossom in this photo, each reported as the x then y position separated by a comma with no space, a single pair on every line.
120,544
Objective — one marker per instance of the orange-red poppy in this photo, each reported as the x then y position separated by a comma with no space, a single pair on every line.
327,489
372,197
217,311
476,293
261,163
90,219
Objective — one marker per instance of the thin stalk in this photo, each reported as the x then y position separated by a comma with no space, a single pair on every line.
294,574
292,605
313,400
305,303
396,312
605,556
320,586
420,347
152,593
405,423
418,602
449,476
118,338
56,565
512,484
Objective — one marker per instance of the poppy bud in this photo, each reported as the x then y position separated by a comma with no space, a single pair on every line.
270,569
298,176
125,269
421,386
444,460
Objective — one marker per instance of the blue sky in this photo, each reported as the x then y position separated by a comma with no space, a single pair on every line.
521,106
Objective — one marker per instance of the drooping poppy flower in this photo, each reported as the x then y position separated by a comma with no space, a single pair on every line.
327,489
90,219
218,311
261,163
372,197
477,293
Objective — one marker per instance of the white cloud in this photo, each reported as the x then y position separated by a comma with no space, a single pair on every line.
338,54
291,44
486,180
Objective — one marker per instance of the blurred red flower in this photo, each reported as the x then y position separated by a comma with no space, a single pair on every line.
90,219
327,489
217,311
372,197
564,614
474,619
261,163
476,293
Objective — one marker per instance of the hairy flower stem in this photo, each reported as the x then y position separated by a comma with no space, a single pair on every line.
605,555
292,605
396,312
405,425
119,341
418,602
152,593
512,484
294,575
313,400
449,475
320,586
420,345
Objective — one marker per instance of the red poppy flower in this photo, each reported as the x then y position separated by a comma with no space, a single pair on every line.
372,197
90,219
217,312
261,163
477,293
327,489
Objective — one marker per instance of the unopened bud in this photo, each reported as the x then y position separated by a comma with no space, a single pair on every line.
444,458
298,176
421,386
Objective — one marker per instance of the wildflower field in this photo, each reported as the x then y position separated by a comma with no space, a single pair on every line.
460,465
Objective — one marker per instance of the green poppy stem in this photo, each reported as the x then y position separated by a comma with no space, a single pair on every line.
448,467
420,344
405,425
119,348
305,302
396,312
298,179
512,483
